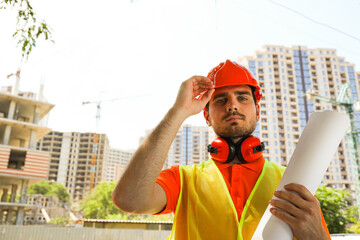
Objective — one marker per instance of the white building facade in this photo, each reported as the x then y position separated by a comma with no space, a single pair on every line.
285,74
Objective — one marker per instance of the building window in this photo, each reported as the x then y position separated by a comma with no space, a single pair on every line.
17,159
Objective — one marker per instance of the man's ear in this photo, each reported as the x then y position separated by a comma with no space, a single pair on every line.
257,112
207,117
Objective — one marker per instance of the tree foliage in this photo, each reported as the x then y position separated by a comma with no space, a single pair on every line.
50,189
355,228
28,27
98,204
335,207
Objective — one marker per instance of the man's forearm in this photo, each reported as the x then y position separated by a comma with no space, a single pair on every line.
135,189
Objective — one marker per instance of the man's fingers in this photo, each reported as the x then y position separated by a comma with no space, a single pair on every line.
301,190
187,98
207,95
201,88
286,217
286,206
292,197
201,80
202,85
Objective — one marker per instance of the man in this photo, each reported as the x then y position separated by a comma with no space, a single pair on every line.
225,197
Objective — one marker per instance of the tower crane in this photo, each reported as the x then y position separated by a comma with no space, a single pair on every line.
99,102
345,100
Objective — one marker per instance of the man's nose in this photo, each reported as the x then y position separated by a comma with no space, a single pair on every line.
231,105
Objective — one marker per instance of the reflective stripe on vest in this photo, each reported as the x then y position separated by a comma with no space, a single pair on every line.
205,209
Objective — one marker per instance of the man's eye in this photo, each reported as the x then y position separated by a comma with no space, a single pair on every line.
241,98
221,101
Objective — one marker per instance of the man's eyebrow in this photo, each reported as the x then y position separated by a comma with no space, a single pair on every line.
243,93
220,96
236,93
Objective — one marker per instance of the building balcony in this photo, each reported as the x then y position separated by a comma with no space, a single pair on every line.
25,108
23,163
20,132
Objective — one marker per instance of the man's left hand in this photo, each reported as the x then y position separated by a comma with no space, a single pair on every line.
301,211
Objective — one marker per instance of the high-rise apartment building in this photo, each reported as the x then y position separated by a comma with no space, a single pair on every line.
285,74
77,160
118,160
189,146
22,123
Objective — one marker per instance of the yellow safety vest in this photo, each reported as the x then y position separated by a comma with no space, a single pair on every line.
205,209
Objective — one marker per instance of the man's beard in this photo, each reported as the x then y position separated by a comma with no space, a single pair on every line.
236,129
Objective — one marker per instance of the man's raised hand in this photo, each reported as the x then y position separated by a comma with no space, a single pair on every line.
186,100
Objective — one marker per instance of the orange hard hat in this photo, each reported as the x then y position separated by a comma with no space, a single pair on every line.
231,73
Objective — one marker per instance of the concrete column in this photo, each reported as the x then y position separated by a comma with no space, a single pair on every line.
32,143
13,192
40,94
1,215
12,199
15,87
6,137
9,216
24,186
12,108
4,195
36,118
3,199
20,214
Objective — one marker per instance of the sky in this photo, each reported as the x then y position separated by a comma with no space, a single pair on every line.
133,55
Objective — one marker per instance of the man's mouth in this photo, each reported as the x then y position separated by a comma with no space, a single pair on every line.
234,118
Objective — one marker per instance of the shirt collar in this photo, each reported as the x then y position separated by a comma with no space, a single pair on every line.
255,166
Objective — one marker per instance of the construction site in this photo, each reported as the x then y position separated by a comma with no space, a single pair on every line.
31,152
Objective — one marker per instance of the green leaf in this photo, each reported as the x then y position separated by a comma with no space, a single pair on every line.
334,203
28,31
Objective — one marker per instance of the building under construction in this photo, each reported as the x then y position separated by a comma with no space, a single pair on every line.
77,160
22,123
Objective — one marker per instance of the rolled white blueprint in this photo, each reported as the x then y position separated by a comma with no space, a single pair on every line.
313,154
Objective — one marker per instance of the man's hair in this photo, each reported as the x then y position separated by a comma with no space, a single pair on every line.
253,95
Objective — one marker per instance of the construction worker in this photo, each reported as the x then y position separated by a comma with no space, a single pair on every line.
226,196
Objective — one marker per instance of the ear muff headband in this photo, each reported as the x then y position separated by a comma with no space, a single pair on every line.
247,150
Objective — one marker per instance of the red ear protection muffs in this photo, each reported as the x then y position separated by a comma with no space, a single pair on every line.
246,150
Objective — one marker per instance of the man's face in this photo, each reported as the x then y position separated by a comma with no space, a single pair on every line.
232,112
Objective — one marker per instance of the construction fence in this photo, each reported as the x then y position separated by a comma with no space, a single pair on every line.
42,232
13,232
